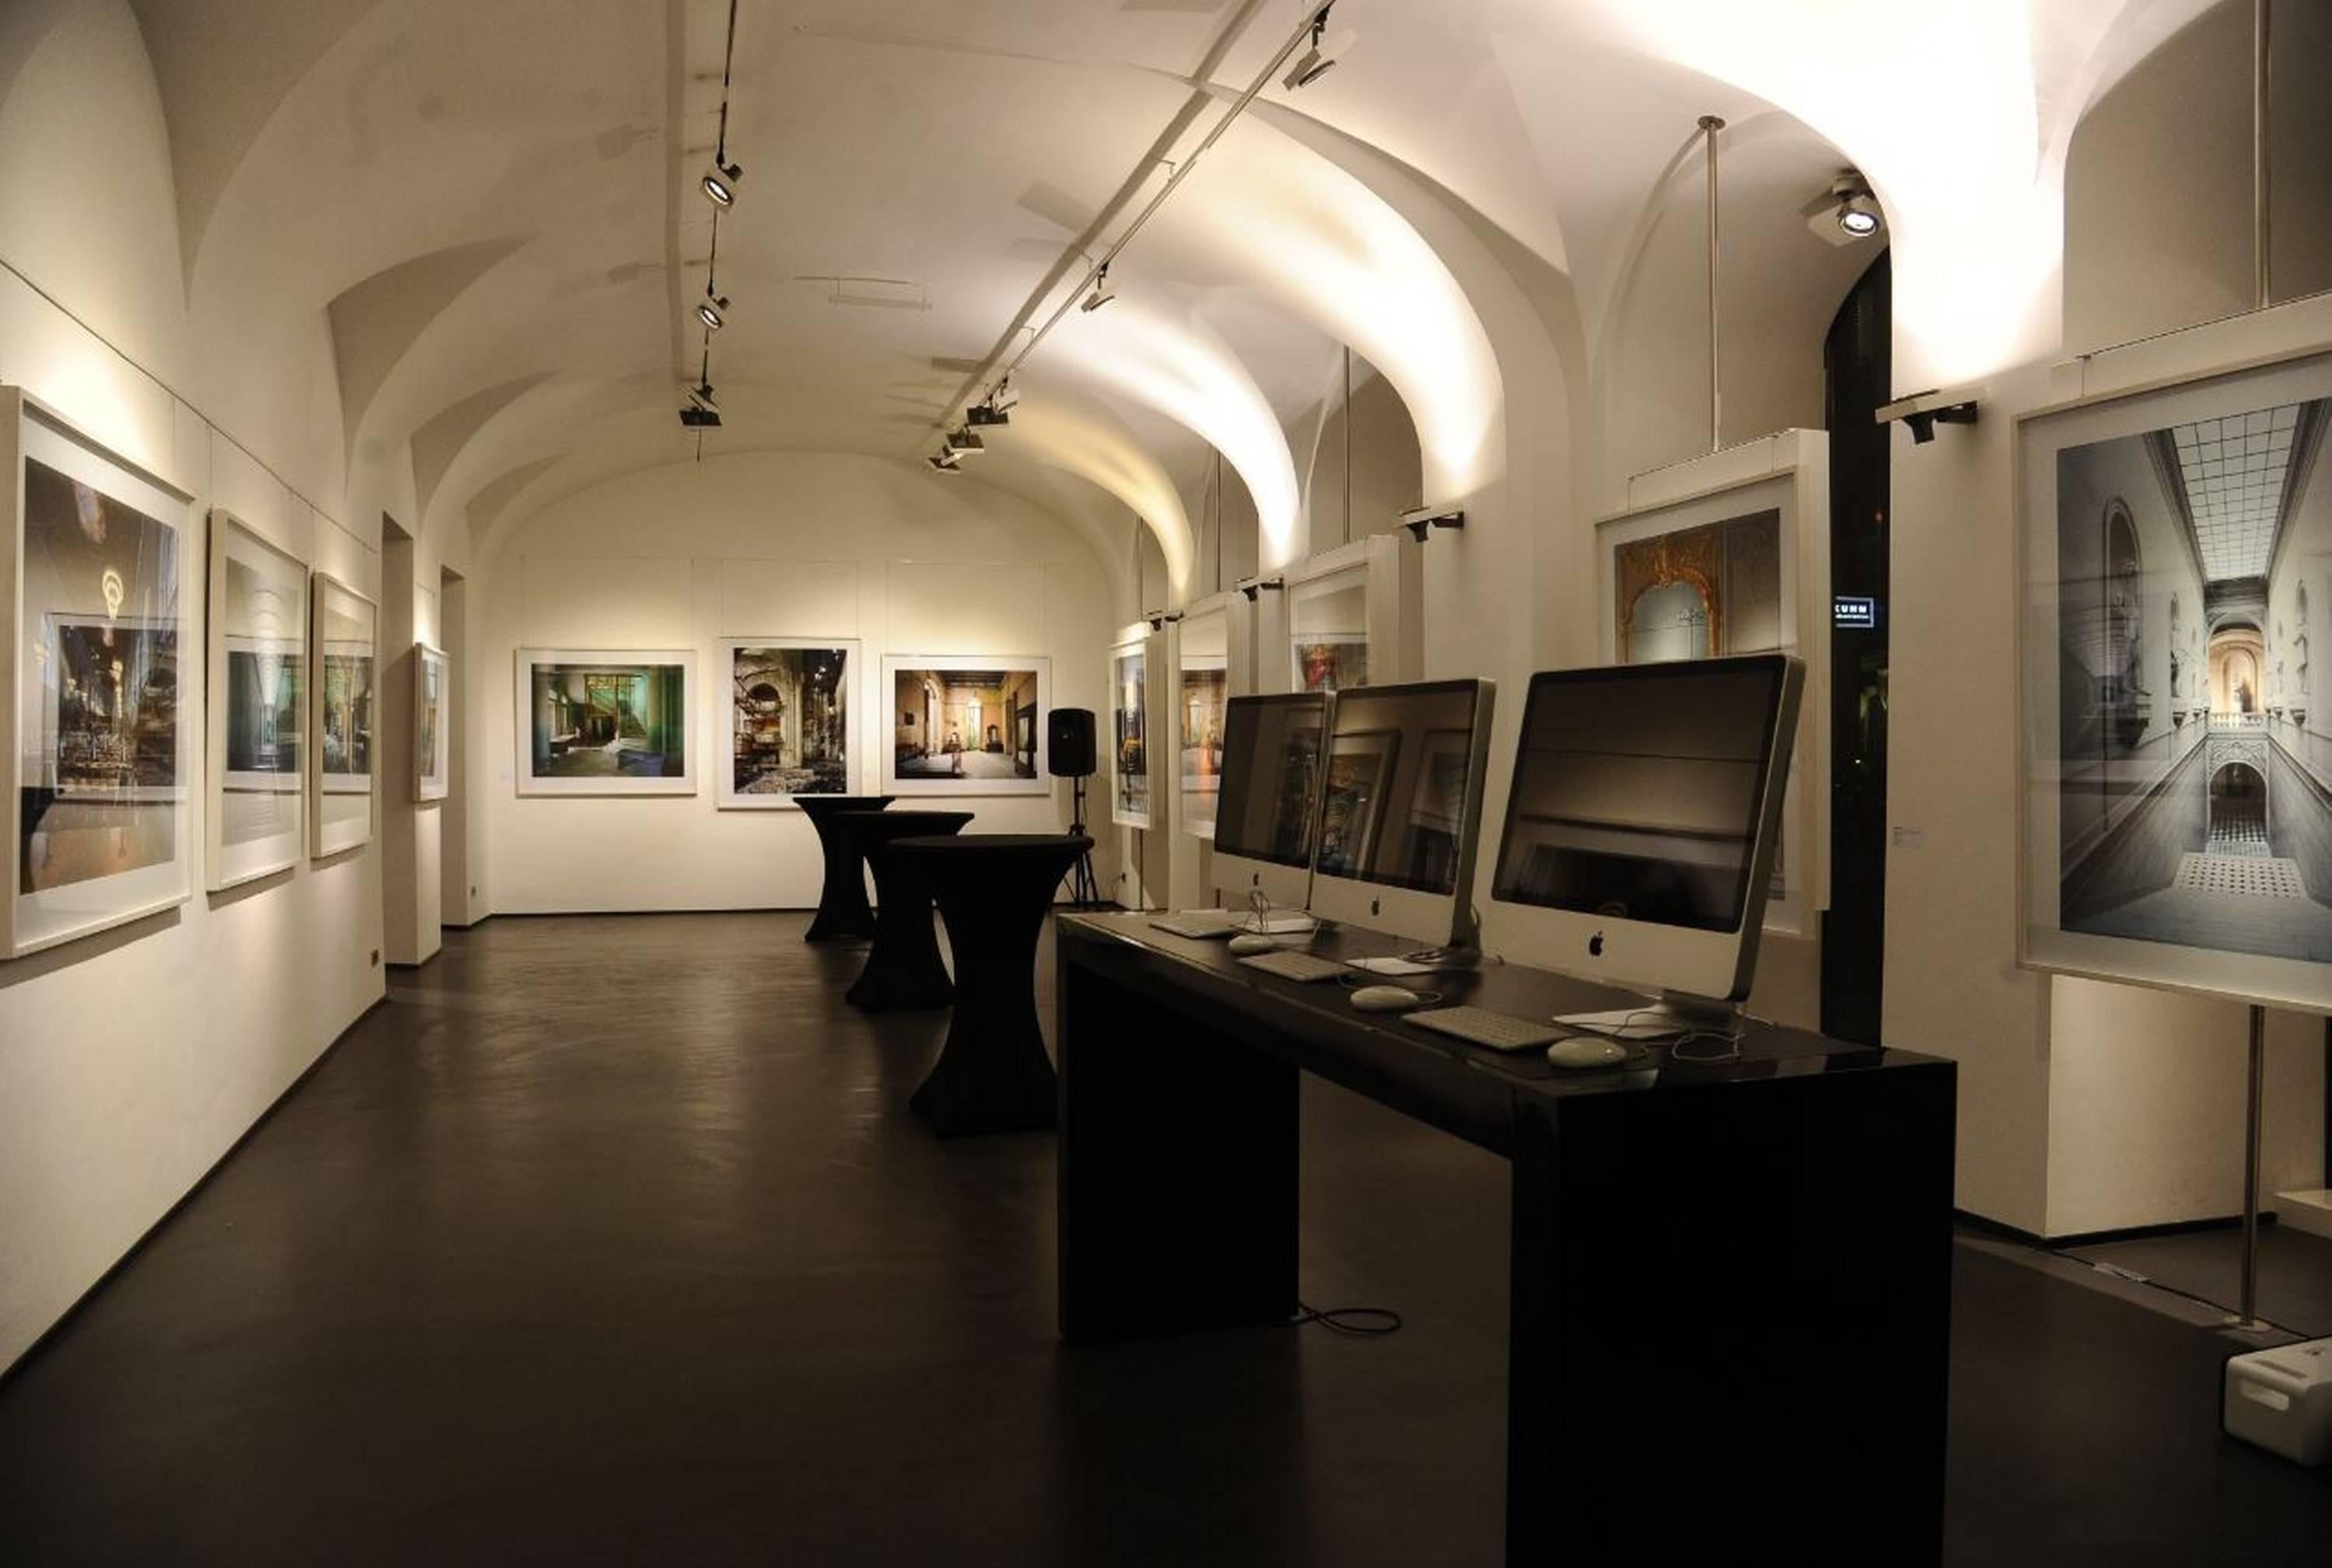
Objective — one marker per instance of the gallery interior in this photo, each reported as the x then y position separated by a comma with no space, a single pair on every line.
627,615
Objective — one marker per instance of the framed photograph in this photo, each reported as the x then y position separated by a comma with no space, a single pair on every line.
433,740
604,722
2177,768
342,713
255,804
101,760
1328,630
1198,714
787,707
966,724
1129,753
1729,554
1353,801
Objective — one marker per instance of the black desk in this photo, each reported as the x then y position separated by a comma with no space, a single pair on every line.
842,914
992,889
1730,1286
903,971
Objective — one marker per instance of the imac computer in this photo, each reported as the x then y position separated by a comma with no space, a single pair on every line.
1401,811
1640,830
1268,804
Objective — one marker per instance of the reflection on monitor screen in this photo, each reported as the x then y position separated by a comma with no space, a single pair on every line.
1637,795
1393,808
1271,778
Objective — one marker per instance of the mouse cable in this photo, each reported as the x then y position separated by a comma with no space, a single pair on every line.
1351,1322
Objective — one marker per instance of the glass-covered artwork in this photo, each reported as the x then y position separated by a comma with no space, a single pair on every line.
432,738
259,704
1702,592
966,723
1329,632
2177,777
103,754
343,716
789,714
1129,758
604,721
1205,696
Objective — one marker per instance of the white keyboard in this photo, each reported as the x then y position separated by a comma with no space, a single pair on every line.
1199,924
1481,1027
1297,966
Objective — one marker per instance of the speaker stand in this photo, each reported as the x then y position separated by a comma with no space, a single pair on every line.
1085,888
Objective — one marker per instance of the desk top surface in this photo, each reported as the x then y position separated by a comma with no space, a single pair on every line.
1322,1013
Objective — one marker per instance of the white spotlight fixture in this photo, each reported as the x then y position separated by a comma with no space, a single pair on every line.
944,461
1321,58
1102,292
1848,212
702,395
720,183
711,309
1005,398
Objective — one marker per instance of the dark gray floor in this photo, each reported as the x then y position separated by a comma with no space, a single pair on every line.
2295,1271
610,1240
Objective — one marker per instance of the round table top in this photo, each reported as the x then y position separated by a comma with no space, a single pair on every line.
843,802
993,844
896,825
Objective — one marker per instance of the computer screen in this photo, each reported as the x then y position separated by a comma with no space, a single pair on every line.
1644,818
1399,806
1271,778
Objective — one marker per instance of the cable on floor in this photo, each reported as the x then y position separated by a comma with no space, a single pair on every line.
1351,1322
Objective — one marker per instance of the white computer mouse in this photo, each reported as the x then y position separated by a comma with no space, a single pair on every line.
1586,1051
1384,998
1250,941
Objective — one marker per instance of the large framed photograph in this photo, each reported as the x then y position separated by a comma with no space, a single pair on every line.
604,722
1728,554
433,741
1328,629
2177,770
101,760
1204,655
1129,753
788,708
966,724
343,711
254,810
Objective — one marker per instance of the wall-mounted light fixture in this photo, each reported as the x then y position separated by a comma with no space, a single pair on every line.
1848,212
1423,520
1160,619
1923,411
1257,584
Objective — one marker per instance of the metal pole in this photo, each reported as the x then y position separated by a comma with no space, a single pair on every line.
1709,126
2260,85
2249,1306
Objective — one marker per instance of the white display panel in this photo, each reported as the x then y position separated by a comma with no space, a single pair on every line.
1202,692
2178,553
785,709
1127,760
1729,554
100,769
433,740
258,706
604,720
966,723
343,716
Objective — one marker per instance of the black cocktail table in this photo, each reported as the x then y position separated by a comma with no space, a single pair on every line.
903,971
993,889
842,914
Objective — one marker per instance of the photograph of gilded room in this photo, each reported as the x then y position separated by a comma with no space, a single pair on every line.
103,676
790,720
2196,784
1701,592
969,725
609,720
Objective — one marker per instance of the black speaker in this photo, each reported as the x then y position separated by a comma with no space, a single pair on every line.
1069,748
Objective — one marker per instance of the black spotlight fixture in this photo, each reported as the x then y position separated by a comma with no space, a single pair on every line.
961,442
985,416
944,461
1102,292
720,183
712,309
1321,58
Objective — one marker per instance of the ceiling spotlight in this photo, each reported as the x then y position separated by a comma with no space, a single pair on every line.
1321,58
702,395
1848,212
962,443
985,416
710,309
1102,292
944,461
1005,398
698,417
721,181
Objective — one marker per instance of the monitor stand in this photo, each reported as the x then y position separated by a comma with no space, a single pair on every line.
1674,1017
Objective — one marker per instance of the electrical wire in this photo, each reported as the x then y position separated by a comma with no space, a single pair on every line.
1351,1322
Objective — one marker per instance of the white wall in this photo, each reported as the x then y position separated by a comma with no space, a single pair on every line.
766,544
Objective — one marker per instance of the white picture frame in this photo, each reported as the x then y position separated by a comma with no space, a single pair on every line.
343,736
92,541
917,759
1204,686
433,715
1128,761
580,721
2136,539
254,813
1786,474
837,719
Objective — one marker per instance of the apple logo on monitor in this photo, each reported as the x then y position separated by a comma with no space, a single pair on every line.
1595,945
